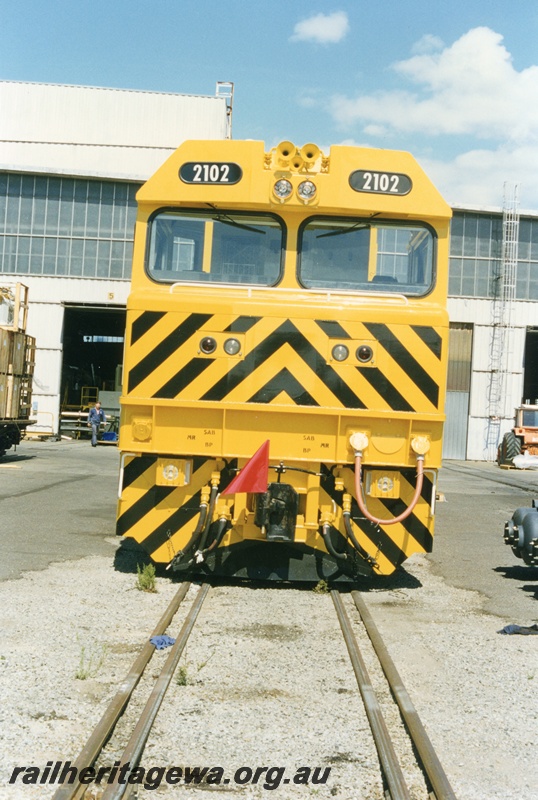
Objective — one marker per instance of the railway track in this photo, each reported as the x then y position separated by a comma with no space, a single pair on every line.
429,762
394,782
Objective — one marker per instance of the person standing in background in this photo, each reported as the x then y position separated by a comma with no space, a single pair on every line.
95,418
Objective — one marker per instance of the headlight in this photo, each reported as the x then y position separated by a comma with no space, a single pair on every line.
307,191
282,189
340,352
208,345
232,347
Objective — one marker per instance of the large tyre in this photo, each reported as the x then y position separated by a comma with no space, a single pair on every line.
509,449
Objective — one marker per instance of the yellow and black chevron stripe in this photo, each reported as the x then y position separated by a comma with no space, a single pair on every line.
285,361
390,546
163,518
159,516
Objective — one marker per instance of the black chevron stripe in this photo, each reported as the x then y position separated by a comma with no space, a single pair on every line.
410,475
412,524
173,523
377,535
287,333
242,324
430,337
283,382
154,496
164,349
333,330
143,323
407,362
143,506
136,468
385,388
182,378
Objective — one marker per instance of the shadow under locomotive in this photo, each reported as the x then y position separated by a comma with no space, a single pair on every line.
131,557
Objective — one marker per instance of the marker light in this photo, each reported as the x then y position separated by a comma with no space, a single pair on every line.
232,347
385,484
307,191
170,472
208,345
340,352
364,353
282,189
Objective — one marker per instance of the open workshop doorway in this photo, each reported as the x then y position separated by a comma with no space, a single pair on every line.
530,367
92,360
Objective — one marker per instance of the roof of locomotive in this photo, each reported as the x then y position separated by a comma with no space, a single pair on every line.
260,169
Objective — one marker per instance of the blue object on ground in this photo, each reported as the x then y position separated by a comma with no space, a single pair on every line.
162,642
533,629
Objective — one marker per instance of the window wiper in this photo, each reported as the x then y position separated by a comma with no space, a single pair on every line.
357,227
229,221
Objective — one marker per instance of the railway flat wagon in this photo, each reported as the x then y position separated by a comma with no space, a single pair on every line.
285,366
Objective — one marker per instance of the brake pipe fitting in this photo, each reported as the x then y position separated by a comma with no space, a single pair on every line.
222,527
202,519
326,535
420,445
346,508
215,479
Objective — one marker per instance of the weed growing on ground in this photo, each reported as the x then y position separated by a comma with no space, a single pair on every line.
182,675
90,663
322,587
145,580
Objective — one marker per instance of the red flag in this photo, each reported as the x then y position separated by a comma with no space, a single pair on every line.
253,476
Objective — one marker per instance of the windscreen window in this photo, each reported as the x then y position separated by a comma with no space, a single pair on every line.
215,247
530,419
362,255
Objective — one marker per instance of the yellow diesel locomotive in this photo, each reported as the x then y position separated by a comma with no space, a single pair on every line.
285,363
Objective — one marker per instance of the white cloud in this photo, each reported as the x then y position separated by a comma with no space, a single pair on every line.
468,88
477,177
322,28
427,44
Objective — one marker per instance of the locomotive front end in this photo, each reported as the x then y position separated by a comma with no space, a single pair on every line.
285,362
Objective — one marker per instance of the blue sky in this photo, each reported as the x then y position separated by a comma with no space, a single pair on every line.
454,83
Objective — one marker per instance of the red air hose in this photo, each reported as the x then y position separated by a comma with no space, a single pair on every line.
410,507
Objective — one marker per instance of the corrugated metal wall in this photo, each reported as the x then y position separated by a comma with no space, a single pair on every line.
458,391
83,130
89,115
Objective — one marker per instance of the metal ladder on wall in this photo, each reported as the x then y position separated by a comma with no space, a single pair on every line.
501,345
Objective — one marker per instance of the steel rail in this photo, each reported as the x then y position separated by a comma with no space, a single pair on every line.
389,762
430,761
114,710
135,747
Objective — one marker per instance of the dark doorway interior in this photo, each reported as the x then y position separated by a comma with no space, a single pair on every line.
530,366
92,352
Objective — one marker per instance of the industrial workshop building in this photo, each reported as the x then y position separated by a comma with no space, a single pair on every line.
71,161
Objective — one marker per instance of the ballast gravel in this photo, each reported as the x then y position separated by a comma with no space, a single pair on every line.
265,682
